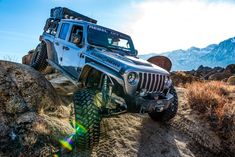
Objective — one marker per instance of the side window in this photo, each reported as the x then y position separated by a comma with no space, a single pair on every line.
76,35
63,31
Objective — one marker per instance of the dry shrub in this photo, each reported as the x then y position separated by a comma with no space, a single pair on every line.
205,96
213,100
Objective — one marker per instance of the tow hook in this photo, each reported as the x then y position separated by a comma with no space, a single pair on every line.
155,105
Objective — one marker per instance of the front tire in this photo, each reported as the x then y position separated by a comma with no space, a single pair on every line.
170,112
39,57
87,114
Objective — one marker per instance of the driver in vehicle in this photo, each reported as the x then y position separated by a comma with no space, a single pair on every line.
76,36
115,41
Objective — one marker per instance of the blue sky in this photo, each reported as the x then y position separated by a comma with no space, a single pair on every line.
155,25
22,21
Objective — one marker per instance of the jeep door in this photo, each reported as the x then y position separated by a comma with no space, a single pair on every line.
60,41
74,48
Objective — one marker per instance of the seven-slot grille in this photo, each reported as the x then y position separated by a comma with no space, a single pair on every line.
151,82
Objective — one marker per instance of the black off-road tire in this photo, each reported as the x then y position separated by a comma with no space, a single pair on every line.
39,57
170,112
87,114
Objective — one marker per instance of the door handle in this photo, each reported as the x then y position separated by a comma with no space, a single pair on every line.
57,43
65,48
81,55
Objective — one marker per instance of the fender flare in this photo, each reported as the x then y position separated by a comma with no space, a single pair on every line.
51,52
91,65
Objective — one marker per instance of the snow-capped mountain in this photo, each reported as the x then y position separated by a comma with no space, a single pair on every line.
213,55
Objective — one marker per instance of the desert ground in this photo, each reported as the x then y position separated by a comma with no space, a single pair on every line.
32,127
137,135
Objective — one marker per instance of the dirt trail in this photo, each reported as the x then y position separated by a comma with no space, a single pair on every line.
36,125
138,136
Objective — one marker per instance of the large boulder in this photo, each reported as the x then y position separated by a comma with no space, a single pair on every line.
64,88
205,72
231,80
22,88
32,119
230,68
181,78
219,76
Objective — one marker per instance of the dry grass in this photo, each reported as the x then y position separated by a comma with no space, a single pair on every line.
216,101
206,96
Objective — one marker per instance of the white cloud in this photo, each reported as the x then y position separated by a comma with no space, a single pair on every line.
159,26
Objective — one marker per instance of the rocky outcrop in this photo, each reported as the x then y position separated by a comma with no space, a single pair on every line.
219,76
231,80
180,78
32,118
64,88
230,69
203,73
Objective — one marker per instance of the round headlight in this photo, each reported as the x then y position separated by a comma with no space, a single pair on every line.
132,77
168,82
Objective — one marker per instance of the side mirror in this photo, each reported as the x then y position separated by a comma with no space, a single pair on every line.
161,61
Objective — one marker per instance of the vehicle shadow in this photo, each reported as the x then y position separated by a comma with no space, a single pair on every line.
157,140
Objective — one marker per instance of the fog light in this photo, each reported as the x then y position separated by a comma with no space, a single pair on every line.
168,82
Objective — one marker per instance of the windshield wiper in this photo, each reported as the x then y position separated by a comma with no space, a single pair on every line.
119,48
108,48
115,48
101,46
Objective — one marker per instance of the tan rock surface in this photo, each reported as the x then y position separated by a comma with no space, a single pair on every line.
32,119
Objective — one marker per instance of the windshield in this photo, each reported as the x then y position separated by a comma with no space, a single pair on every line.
101,36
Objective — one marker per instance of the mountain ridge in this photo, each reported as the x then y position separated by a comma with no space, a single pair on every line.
213,55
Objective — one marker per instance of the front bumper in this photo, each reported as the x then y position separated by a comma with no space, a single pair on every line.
158,105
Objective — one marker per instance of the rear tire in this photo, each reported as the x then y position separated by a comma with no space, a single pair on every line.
87,114
170,112
39,57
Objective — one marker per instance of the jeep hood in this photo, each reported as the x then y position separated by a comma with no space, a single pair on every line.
119,62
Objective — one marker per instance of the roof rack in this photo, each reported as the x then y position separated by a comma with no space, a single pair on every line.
65,13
